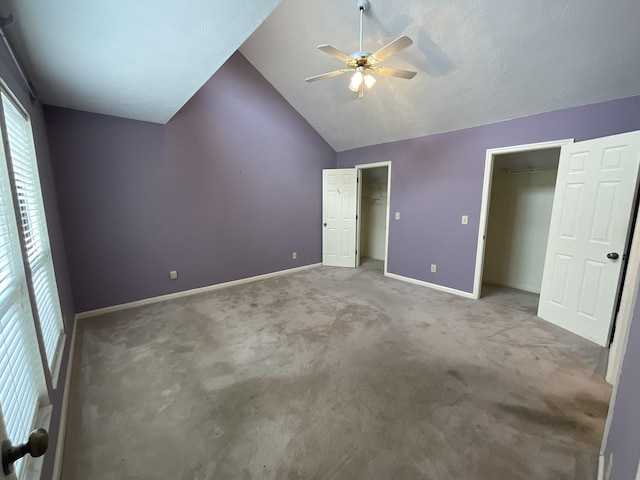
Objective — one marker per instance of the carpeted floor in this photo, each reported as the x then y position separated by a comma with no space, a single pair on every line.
332,374
510,297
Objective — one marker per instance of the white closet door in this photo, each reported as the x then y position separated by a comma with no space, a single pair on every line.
339,208
592,208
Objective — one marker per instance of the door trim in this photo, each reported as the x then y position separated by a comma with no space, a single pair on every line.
486,195
364,166
617,346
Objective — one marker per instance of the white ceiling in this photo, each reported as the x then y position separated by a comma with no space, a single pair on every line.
141,59
478,62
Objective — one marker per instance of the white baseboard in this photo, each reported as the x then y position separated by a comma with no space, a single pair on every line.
600,467
64,408
195,291
431,285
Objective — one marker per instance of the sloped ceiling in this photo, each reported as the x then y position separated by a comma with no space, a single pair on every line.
141,59
478,62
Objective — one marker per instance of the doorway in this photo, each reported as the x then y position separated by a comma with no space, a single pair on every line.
489,169
588,235
373,216
522,193
355,220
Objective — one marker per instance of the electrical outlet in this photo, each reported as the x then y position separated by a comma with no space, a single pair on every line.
294,255
397,215
433,268
173,275
465,219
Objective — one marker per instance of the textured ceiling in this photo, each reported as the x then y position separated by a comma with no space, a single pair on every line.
139,59
478,62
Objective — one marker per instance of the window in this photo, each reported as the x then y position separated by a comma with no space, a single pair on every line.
21,378
33,226
28,292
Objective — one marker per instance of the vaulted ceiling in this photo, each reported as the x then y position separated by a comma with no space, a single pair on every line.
478,61
140,59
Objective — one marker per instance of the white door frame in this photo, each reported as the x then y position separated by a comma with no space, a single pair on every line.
486,196
364,166
618,346
627,300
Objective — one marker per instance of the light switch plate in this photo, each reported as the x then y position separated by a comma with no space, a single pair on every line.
397,215
433,268
173,275
465,219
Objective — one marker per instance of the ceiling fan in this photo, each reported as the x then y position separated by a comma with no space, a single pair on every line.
363,64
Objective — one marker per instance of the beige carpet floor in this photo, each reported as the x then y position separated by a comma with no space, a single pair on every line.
333,374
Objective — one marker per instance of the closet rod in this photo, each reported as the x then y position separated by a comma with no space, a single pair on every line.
529,170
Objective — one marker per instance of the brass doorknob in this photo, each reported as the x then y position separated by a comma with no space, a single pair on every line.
36,447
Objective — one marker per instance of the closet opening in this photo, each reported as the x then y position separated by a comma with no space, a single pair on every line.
373,216
519,216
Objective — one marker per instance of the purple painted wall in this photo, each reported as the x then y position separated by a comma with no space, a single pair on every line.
228,189
113,192
438,178
623,441
11,77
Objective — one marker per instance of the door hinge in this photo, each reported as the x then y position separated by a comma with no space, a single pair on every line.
356,217
356,252
357,180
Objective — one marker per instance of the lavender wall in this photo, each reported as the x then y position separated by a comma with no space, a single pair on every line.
114,193
623,441
10,76
438,178
228,189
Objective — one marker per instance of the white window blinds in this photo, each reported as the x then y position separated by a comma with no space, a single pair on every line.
21,376
34,226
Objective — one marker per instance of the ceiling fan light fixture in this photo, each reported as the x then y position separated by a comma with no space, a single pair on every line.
369,80
357,80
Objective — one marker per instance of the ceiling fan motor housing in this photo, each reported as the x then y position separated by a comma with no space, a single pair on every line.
363,5
360,59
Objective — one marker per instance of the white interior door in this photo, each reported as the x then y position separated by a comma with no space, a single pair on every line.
592,208
339,195
3,437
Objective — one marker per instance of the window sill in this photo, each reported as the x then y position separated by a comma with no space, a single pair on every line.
57,361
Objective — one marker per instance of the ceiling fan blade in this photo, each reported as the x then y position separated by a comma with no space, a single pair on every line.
394,72
327,75
335,52
391,49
